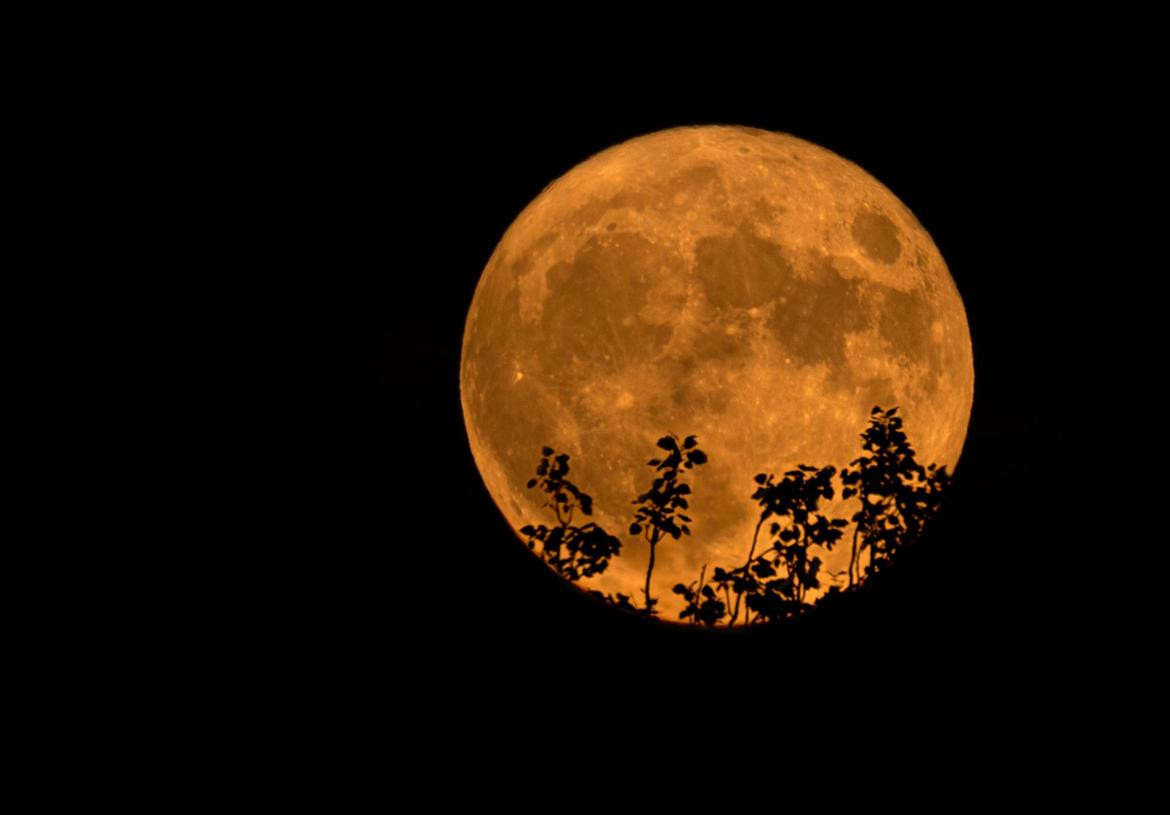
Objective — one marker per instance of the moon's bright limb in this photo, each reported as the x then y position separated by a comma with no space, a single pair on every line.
745,286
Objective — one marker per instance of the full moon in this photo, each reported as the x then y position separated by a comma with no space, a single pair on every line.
747,287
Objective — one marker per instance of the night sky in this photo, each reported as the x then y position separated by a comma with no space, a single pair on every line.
422,559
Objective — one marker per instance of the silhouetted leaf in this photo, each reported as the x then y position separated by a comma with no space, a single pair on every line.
697,456
689,442
761,478
667,443
635,529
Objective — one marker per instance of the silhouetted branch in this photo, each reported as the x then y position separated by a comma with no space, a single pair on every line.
658,513
897,495
575,552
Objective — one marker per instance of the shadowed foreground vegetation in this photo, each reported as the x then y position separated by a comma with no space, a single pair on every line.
782,565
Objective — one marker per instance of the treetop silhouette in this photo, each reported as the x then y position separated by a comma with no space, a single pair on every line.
574,552
773,584
659,508
783,563
897,494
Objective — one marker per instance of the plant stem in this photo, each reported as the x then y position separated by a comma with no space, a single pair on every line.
649,569
853,556
751,552
699,593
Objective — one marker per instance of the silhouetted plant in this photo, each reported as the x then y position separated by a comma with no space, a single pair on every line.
620,600
774,584
658,512
575,552
897,494
703,604
897,497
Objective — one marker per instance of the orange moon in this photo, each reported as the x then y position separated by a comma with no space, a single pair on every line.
744,286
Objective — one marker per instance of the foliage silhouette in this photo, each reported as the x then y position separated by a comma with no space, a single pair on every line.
703,604
773,585
658,513
897,494
897,497
575,552
620,600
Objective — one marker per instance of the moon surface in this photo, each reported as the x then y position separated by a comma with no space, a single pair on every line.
744,286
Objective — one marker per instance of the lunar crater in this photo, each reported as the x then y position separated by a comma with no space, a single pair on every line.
877,236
